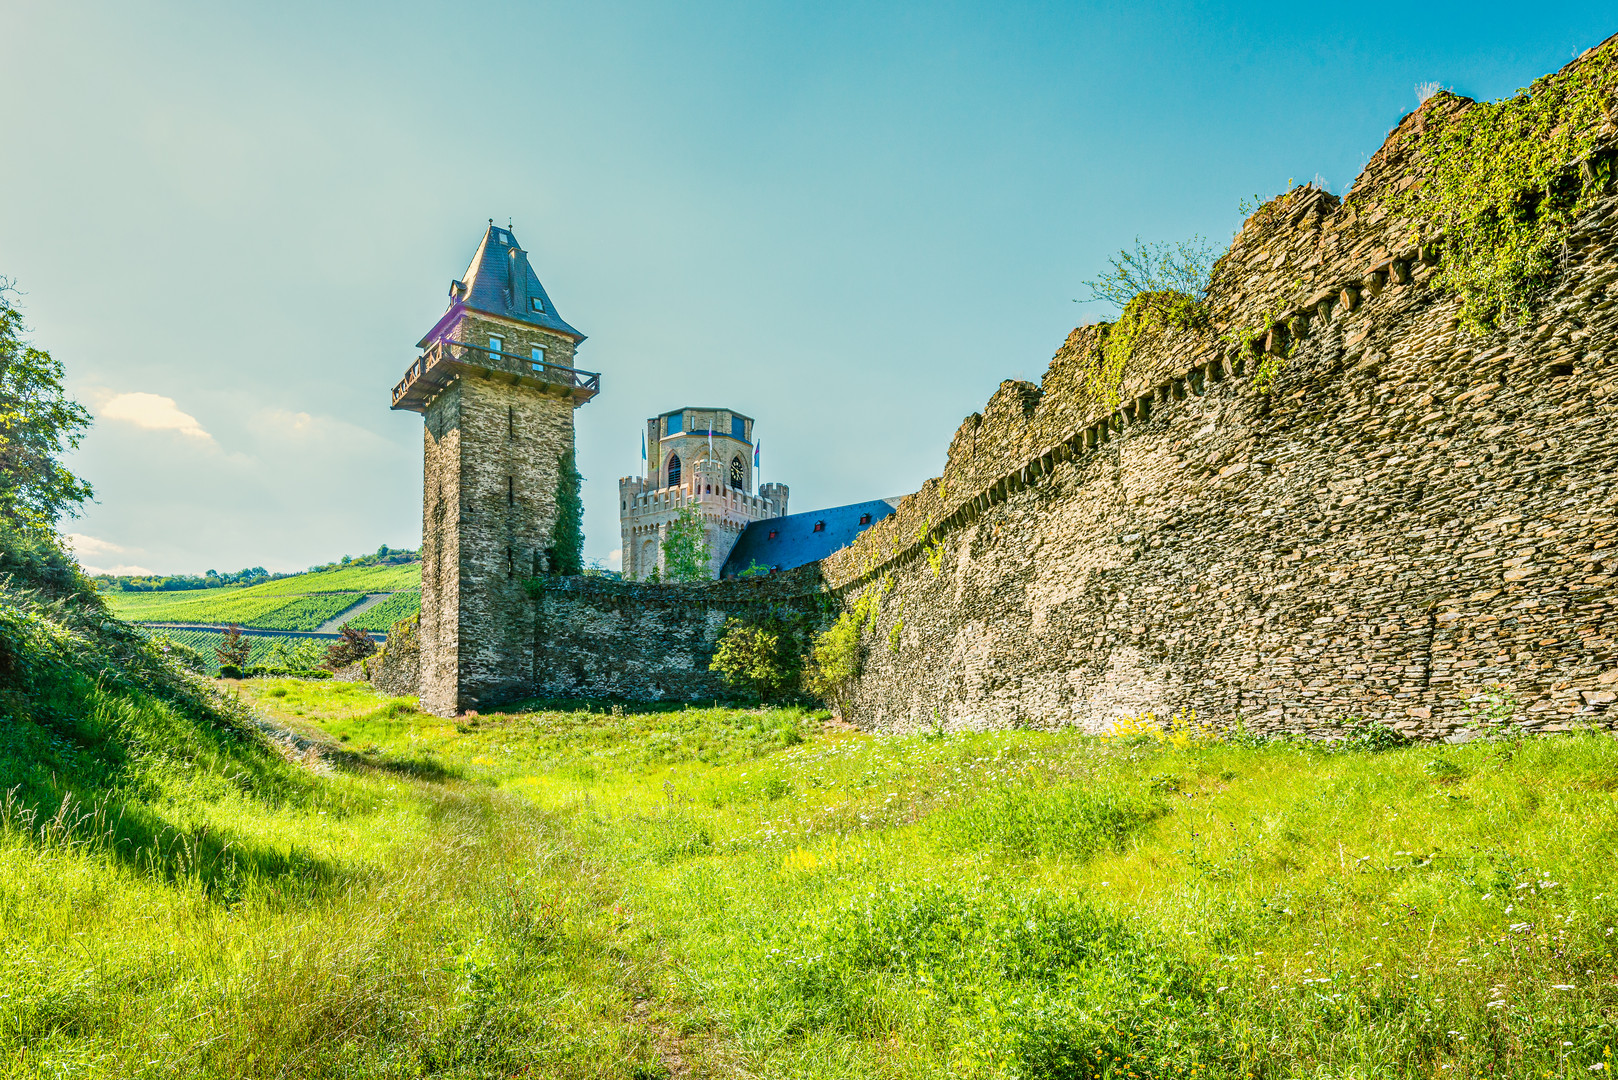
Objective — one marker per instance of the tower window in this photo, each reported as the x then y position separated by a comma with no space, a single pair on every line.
511,491
497,345
674,469
820,526
538,355
865,519
511,421
736,472
774,534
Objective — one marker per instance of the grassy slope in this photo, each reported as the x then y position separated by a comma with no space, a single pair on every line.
181,897
301,602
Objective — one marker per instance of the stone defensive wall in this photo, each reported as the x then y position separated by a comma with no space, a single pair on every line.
1333,501
640,641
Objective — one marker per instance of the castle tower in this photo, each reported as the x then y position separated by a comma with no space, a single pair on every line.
496,388
700,457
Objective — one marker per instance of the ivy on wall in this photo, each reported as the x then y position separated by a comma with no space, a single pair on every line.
1505,181
1145,314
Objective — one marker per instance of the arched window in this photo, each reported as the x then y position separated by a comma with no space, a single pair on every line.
674,469
736,472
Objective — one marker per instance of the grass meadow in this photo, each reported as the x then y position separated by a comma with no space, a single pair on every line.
582,891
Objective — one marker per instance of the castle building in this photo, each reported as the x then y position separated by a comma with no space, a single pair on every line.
698,457
496,387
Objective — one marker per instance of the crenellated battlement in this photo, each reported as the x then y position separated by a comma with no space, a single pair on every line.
1329,499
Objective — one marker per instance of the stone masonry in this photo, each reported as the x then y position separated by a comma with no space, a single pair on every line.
1412,519
600,638
496,391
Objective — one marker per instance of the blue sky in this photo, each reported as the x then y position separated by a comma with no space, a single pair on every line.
850,221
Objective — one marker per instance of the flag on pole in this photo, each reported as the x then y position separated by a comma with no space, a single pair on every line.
755,455
643,446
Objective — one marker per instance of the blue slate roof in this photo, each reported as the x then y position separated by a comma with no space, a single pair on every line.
487,287
796,543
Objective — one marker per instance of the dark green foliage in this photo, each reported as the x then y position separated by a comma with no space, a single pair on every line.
1370,736
567,540
758,657
38,423
35,559
270,671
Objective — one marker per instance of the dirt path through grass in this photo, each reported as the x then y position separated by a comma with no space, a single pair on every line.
790,900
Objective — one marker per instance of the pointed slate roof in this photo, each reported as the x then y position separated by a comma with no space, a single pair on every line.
487,287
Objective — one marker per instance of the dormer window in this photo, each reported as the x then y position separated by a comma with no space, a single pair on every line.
820,526
865,519
774,534
537,303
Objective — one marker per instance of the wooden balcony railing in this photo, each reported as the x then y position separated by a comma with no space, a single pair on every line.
442,360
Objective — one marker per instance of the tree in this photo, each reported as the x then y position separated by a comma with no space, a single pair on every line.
834,662
754,656
567,541
232,653
354,645
685,547
38,423
1184,268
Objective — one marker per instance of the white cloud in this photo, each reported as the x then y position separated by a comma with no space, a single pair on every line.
84,546
93,547
117,571
154,412
615,559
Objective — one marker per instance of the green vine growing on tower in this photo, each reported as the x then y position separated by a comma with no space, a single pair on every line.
1505,182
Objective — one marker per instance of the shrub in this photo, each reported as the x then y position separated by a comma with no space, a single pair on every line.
834,662
755,657
355,644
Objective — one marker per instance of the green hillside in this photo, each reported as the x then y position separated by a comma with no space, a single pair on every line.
301,602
